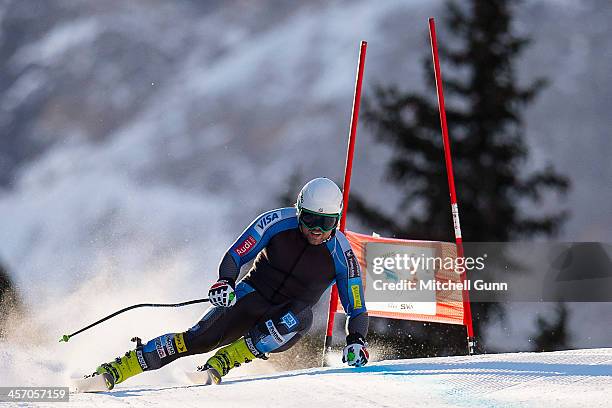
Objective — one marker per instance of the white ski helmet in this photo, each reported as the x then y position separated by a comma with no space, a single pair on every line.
320,195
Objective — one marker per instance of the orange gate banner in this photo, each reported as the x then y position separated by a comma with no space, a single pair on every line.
442,306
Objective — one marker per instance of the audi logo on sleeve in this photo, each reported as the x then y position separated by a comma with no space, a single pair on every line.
245,246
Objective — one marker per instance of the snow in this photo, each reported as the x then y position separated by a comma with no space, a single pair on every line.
573,378
144,213
58,41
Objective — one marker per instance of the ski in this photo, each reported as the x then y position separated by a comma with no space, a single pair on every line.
204,377
95,383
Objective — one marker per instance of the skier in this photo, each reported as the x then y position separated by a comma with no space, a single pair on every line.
298,254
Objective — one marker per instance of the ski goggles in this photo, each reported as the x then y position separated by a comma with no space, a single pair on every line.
324,222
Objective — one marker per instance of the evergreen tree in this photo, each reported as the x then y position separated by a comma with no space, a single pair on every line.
552,335
484,112
288,196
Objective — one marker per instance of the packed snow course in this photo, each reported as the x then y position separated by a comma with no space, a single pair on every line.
573,378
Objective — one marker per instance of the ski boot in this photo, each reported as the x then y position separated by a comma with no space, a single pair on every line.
123,367
226,358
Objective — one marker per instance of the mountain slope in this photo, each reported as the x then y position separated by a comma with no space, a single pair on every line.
570,378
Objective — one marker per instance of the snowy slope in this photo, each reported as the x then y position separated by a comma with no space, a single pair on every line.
149,145
571,378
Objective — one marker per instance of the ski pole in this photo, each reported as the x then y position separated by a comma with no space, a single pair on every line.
67,337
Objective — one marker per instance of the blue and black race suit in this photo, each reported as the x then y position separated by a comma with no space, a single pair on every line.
275,298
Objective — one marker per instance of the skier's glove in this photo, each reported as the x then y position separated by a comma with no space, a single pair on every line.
356,352
222,293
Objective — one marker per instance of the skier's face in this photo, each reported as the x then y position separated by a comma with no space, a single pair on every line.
315,236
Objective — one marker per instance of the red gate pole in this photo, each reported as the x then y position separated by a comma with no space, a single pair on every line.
467,310
348,169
